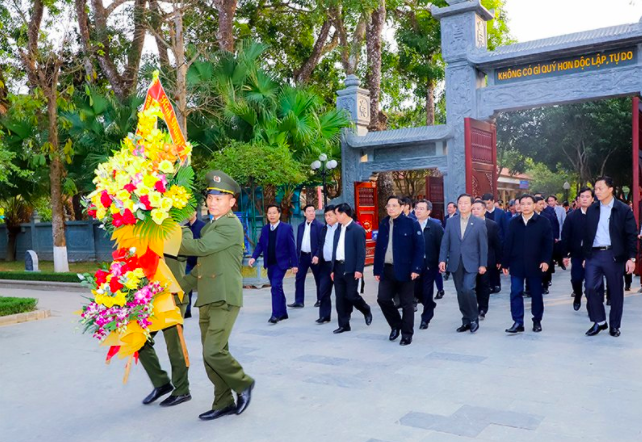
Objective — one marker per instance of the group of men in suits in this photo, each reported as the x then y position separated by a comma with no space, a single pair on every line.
479,241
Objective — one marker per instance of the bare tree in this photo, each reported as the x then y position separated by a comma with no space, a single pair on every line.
374,32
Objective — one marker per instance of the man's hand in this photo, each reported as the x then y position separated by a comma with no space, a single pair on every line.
544,267
499,266
630,267
505,272
332,276
414,276
567,262
251,262
294,270
315,260
482,270
378,278
442,267
358,275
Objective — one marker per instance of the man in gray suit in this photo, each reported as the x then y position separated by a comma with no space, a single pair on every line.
465,248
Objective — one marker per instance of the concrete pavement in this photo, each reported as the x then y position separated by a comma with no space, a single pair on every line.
558,385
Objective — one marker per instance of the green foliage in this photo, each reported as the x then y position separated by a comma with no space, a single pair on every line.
40,276
13,306
545,180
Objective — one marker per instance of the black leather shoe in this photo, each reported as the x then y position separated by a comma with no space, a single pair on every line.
440,294
474,326
498,289
175,400
405,341
296,305
516,328
423,326
615,332
322,320
446,276
341,330
273,320
596,329
627,288
243,398
537,326
317,304
527,294
394,334
482,315
608,301
463,328
283,318
157,392
368,318
215,414
545,292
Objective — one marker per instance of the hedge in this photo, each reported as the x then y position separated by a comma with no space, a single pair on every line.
41,276
12,306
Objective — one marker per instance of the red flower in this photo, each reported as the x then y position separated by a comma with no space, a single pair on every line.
105,199
100,276
160,186
129,187
91,211
114,285
117,220
131,264
145,200
128,217
120,254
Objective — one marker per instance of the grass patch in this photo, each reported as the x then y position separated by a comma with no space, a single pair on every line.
13,306
40,276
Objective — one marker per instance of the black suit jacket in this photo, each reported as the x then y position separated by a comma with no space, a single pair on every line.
315,229
355,248
622,228
494,243
499,217
408,247
433,233
573,232
526,247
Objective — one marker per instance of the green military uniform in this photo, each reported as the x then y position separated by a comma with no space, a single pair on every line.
218,280
147,354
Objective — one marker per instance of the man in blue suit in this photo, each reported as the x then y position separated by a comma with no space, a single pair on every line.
279,254
307,248
465,248
398,261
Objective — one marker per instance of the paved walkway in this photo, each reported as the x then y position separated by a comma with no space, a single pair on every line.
558,385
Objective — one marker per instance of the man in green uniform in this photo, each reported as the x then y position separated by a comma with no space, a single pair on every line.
218,280
179,386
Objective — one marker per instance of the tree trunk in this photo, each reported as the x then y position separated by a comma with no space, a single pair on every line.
373,49
430,104
180,93
56,169
225,34
385,189
302,75
311,196
12,236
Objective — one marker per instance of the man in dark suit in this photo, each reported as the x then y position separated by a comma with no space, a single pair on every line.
497,215
571,245
326,249
451,210
548,212
195,225
307,248
610,248
465,249
424,285
399,256
276,243
348,260
494,258
528,250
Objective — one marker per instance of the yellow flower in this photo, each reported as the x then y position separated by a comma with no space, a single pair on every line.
142,190
114,210
139,273
149,180
155,198
179,196
129,204
159,216
132,280
166,167
166,204
123,195
100,213
119,299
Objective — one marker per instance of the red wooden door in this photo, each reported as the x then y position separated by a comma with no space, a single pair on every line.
481,157
366,209
435,194
637,163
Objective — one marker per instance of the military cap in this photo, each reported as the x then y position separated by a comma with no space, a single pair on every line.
220,183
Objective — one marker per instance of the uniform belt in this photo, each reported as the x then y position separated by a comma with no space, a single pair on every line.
603,248
389,265
340,262
306,253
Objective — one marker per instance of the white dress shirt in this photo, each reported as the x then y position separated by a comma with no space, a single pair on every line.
603,235
341,246
274,226
328,245
305,242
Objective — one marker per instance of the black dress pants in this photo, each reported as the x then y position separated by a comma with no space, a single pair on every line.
389,286
346,289
325,290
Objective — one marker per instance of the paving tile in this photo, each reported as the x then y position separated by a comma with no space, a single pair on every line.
421,420
455,357
317,359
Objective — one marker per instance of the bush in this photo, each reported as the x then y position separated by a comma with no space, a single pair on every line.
12,306
41,276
